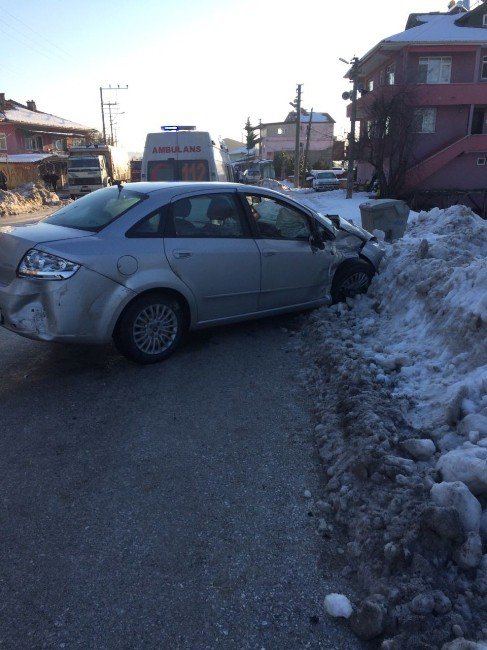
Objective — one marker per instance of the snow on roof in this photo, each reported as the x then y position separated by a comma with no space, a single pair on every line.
317,117
242,150
439,28
23,115
28,157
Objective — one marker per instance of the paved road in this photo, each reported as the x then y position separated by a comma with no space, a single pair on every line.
160,507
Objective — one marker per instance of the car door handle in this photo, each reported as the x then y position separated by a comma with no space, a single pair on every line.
268,252
180,254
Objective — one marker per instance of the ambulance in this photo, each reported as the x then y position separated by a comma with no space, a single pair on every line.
179,153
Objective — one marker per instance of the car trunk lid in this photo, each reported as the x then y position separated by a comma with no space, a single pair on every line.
15,241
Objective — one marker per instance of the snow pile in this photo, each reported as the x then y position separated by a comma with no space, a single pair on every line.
400,382
26,198
285,187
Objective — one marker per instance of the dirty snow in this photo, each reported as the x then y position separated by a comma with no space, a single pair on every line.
399,379
338,606
26,198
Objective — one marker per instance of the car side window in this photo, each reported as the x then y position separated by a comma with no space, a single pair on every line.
150,226
276,220
208,215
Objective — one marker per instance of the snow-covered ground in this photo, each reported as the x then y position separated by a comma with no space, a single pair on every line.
27,198
399,378
399,382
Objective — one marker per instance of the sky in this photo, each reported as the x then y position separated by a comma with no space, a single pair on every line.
208,63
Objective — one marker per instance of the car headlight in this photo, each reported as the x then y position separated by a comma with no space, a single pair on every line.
37,264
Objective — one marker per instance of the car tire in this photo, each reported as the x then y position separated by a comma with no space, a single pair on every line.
150,328
351,279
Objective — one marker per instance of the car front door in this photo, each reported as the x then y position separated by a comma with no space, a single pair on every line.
210,248
293,272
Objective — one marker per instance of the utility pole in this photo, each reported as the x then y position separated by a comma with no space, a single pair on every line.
103,104
308,134
297,104
103,116
353,119
110,119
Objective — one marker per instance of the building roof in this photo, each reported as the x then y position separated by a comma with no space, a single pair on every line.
305,117
233,144
243,151
28,157
434,28
17,113
439,28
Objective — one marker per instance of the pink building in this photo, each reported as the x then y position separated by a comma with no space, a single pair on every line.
33,143
440,61
281,136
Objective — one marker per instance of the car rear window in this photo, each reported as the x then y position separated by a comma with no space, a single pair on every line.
95,211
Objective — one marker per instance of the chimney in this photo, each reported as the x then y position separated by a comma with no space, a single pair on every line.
31,105
2,101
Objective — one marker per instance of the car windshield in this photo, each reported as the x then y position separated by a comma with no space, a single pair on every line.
77,163
95,211
326,175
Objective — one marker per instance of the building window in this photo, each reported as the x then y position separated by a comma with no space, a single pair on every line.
484,68
281,131
424,120
34,143
390,74
370,85
434,70
381,78
480,161
484,20
3,141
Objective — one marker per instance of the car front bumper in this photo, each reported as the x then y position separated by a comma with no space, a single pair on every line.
81,309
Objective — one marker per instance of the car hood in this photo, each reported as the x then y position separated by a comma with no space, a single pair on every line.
15,241
345,227
351,228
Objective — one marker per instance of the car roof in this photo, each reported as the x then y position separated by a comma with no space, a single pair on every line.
147,187
175,188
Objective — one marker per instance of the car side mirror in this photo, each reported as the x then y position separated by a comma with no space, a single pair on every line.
316,240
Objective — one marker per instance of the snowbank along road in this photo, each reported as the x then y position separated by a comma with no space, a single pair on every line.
400,382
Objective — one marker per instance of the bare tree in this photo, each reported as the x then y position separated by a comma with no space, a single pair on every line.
388,137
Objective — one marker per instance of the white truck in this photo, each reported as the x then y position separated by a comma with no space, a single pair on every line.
93,166
179,153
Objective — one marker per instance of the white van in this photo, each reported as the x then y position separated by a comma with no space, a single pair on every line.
182,154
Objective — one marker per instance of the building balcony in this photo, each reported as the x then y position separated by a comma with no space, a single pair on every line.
450,94
426,95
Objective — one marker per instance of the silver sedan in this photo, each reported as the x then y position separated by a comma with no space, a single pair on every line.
143,263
